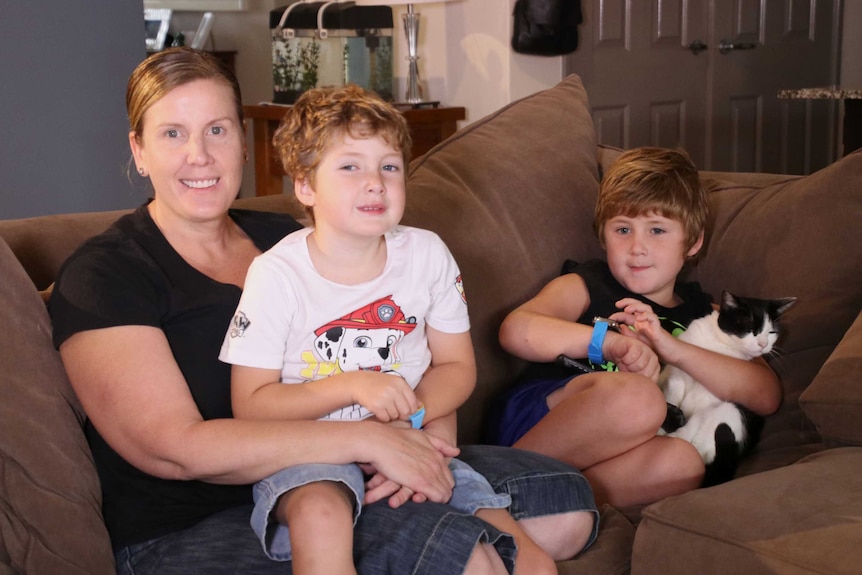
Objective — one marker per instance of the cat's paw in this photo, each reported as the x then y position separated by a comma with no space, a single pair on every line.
674,419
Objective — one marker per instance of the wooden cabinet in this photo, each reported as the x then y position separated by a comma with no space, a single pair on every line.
428,127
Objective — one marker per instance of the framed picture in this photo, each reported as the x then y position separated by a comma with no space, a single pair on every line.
156,23
203,32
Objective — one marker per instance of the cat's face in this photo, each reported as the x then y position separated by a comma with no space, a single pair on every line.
759,342
752,323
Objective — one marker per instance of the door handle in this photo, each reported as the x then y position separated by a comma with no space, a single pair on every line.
726,46
697,46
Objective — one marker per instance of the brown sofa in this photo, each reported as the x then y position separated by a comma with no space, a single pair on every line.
513,196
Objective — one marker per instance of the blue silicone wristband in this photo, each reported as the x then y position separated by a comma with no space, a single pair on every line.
594,350
417,417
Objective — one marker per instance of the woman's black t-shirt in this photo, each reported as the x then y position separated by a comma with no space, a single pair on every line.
130,275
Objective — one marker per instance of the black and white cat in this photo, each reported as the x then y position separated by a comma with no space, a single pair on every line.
721,431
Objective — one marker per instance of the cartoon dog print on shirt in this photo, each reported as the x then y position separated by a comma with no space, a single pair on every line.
365,339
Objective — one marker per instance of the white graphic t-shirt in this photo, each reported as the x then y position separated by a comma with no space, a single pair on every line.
290,318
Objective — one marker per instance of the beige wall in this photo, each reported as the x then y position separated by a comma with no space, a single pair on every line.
465,56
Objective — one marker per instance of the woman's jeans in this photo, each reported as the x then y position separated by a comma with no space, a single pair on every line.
422,539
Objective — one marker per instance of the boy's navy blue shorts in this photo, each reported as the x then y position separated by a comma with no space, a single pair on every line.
524,407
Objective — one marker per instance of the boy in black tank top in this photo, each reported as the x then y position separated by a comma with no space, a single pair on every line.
650,217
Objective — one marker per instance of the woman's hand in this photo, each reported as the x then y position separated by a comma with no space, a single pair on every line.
380,487
409,465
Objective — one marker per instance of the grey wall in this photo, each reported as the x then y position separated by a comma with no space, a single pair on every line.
63,129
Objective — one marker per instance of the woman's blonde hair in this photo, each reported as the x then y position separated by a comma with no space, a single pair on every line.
654,180
163,71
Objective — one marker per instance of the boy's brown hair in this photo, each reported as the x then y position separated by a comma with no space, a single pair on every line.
307,129
654,180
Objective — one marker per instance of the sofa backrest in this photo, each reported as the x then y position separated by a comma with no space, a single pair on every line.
43,243
513,196
775,236
50,499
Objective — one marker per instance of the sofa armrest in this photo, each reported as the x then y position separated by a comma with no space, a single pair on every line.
833,401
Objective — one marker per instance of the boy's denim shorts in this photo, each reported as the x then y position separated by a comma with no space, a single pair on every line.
471,493
416,538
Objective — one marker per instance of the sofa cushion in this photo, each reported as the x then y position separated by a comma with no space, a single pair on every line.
50,500
43,243
610,554
833,401
513,196
776,236
802,518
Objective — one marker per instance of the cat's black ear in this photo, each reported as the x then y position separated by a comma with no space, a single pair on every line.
781,305
728,300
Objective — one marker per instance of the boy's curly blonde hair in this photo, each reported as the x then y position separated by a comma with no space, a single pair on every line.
650,180
307,129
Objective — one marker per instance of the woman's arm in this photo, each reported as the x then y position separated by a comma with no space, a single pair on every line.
134,393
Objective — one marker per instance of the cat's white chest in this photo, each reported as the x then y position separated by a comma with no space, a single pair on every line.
681,390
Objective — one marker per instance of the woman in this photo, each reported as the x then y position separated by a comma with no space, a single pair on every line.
139,316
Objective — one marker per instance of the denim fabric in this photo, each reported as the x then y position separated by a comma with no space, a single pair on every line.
471,493
417,539
275,537
221,544
423,539
539,485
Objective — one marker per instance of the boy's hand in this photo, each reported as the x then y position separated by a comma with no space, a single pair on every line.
639,316
386,395
632,355
646,324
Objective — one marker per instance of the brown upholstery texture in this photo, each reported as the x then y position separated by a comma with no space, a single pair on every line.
793,520
43,243
513,196
833,401
50,501
610,553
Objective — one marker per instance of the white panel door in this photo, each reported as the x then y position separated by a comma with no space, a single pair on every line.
657,73
764,46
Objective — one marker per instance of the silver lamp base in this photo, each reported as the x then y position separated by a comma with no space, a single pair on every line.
411,30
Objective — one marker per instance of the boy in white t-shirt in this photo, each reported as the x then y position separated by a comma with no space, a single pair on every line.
366,318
